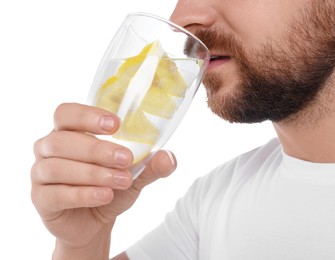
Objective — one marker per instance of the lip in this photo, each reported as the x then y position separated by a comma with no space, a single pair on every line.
218,60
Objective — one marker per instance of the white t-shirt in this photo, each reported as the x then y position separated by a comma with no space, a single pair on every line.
263,205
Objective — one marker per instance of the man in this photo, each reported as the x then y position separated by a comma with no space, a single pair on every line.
271,60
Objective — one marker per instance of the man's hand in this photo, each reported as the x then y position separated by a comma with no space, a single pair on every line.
80,184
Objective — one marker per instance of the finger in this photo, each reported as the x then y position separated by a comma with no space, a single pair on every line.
161,165
78,117
62,171
84,148
55,198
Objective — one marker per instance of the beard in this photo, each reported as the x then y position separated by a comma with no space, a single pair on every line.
276,81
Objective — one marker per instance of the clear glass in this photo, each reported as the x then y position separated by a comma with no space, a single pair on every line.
148,77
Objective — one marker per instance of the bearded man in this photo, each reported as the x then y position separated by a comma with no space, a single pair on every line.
271,60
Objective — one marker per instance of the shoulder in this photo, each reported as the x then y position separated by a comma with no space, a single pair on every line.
239,168
198,208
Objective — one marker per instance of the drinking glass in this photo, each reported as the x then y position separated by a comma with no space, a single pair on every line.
148,78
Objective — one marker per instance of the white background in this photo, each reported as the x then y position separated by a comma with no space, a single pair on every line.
49,53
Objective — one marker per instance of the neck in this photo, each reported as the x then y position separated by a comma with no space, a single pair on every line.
315,145
310,135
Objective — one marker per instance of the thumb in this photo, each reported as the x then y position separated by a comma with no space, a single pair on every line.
161,165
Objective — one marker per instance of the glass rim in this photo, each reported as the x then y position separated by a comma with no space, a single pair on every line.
182,29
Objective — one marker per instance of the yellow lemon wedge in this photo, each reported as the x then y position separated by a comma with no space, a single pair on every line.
137,128
158,102
167,83
111,92
170,79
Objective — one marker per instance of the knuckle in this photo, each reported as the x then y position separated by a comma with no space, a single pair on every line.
34,171
47,146
111,154
37,148
96,149
92,174
59,111
50,145
35,196
102,152
41,171
82,197
78,195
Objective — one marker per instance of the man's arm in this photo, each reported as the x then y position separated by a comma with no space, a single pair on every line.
80,183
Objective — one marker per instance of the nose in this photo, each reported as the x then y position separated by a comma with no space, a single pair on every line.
194,14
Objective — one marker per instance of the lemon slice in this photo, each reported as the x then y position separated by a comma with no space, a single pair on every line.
170,79
141,82
110,95
111,92
160,81
158,102
137,128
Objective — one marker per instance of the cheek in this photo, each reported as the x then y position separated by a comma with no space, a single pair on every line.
257,22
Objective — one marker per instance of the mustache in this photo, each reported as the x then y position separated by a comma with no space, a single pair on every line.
216,40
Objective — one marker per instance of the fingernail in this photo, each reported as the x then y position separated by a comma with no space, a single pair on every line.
171,157
121,157
120,179
107,123
173,161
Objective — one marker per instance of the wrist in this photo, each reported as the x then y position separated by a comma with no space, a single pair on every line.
98,249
